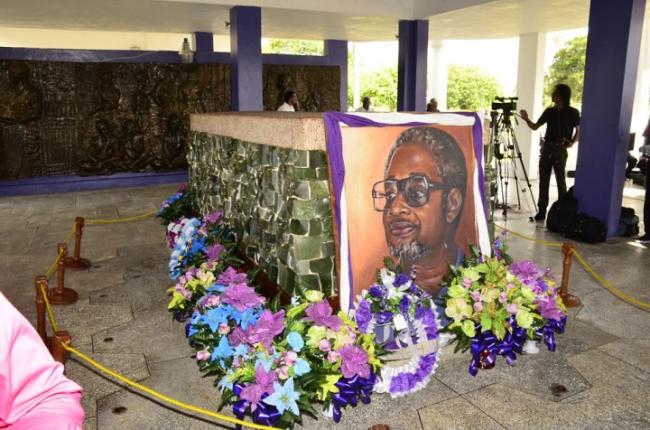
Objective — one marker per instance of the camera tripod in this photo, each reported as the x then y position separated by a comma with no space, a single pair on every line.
509,164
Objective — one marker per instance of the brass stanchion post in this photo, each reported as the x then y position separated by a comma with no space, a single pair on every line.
570,301
41,282
76,262
62,295
58,352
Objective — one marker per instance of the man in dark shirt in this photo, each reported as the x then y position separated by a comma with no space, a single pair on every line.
562,131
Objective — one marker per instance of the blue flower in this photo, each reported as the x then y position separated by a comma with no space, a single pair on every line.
246,318
241,350
264,360
216,288
404,305
284,397
198,245
225,382
223,350
215,317
296,341
301,367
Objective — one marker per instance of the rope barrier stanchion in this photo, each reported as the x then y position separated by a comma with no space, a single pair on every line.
60,339
40,282
570,301
62,295
76,262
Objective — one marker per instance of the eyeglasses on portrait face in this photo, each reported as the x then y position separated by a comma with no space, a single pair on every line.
415,189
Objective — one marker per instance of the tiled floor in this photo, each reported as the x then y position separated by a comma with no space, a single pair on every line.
601,363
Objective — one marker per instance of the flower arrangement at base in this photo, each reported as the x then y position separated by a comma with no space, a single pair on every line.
401,316
495,306
175,207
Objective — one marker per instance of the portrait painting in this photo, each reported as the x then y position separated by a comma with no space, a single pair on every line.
410,192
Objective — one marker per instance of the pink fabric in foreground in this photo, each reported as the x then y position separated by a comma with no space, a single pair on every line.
34,393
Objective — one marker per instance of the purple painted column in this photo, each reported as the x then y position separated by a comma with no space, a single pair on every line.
246,58
336,52
412,65
610,77
204,47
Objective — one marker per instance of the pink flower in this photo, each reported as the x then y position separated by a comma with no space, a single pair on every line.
253,393
211,301
478,306
290,358
476,296
321,314
355,362
467,282
283,372
324,345
224,329
203,355
512,308
214,251
238,336
333,356
510,286
267,327
213,218
231,276
241,297
503,297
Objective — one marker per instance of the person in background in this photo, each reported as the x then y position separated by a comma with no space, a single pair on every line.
290,102
432,106
645,151
365,105
562,131
34,393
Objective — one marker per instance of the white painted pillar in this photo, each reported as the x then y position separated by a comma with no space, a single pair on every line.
641,109
437,79
530,90
356,77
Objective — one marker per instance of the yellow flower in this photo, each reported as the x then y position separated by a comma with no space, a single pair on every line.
457,309
328,386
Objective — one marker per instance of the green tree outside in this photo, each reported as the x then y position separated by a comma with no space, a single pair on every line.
381,87
292,47
469,88
568,67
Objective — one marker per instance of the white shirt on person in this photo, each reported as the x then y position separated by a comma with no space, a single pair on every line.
362,109
286,107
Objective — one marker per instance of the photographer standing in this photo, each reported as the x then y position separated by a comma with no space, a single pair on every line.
562,130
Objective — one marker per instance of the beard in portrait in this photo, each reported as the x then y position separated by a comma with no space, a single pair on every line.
421,199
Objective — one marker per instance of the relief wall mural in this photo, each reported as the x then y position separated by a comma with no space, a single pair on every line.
60,118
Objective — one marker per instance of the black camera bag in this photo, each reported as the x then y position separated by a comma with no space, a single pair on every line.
562,215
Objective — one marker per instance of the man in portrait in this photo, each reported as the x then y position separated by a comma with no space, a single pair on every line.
421,199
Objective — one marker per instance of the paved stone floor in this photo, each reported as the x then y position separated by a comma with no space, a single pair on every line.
598,378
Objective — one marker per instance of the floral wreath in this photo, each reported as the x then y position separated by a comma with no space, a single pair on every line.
403,317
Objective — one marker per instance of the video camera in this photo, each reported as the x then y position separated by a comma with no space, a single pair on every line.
507,104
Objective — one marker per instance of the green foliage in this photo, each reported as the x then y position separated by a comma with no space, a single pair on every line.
381,87
468,88
568,67
293,47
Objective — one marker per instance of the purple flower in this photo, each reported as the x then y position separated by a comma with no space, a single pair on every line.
404,305
253,393
548,309
354,362
376,291
241,297
363,316
384,317
213,218
526,271
268,326
214,251
401,279
238,336
320,313
231,276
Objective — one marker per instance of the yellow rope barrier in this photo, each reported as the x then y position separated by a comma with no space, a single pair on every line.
118,220
163,397
608,285
599,278
50,314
